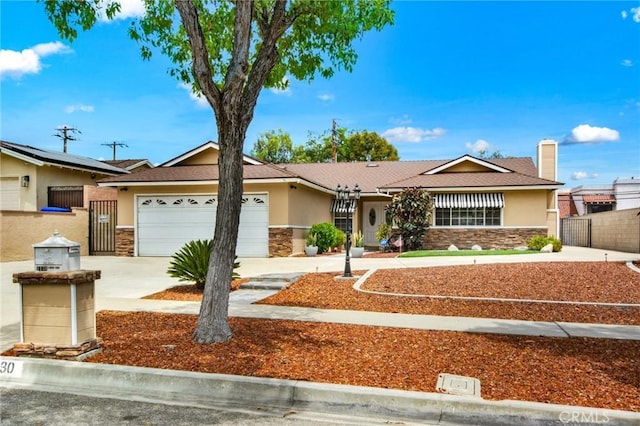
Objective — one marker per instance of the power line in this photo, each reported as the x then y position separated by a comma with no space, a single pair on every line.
64,134
114,145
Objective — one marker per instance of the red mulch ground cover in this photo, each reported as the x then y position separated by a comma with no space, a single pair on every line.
602,373
575,371
584,281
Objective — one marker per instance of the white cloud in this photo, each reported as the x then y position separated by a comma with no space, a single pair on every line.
326,97
635,14
412,134
583,175
626,63
16,64
200,100
401,121
128,9
585,133
70,109
478,146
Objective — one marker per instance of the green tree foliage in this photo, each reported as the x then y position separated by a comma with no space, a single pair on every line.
411,211
363,146
228,51
276,147
273,147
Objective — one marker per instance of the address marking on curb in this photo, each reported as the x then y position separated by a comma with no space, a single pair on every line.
10,368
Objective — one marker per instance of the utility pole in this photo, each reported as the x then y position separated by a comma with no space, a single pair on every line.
334,142
113,145
63,133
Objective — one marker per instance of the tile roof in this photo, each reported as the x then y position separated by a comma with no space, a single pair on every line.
469,180
194,173
370,176
62,159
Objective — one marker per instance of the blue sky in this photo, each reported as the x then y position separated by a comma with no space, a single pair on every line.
449,78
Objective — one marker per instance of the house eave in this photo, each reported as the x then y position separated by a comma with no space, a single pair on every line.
477,188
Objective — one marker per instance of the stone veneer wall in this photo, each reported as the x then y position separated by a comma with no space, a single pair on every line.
124,241
280,242
487,238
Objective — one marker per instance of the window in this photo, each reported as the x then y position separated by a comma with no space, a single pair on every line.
476,209
342,223
468,216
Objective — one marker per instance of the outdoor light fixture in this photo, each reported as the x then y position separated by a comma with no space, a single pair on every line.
24,182
347,202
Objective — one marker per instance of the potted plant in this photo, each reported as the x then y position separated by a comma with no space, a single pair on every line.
357,249
383,233
311,245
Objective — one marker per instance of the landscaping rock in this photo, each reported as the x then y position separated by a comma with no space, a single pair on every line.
476,247
521,248
452,248
547,249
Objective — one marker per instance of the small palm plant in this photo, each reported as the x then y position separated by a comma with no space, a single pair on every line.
191,263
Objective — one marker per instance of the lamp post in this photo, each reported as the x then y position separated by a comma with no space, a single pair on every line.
347,200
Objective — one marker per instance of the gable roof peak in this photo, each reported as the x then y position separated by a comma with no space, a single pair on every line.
468,158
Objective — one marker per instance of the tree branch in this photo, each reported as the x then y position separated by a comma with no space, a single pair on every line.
237,71
200,65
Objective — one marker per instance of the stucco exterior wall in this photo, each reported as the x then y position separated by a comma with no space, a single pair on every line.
19,230
525,208
14,168
466,166
209,156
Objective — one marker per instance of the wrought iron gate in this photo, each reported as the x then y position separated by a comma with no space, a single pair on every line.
103,216
575,231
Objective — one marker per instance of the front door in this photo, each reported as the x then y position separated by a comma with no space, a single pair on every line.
373,215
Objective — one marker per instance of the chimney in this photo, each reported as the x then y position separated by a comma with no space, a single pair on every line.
548,159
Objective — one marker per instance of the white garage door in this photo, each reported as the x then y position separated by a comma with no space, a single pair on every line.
9,194
166,223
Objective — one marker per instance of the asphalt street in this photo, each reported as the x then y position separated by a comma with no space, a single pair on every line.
29,407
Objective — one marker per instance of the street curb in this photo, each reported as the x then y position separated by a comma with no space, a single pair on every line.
289,397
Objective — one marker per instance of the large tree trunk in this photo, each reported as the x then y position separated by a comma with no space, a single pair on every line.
213,325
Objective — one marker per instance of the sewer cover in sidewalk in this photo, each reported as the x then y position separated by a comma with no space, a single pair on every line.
458,385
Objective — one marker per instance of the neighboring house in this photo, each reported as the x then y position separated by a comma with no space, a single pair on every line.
34,178
491,202
623,194
131,165
45,191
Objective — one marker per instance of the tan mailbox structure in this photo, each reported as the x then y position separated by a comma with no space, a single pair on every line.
57,304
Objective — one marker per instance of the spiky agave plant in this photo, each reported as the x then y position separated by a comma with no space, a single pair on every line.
191,263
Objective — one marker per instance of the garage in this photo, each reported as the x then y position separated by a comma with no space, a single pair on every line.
165,223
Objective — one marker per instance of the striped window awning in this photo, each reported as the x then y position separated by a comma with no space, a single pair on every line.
449,201
343,206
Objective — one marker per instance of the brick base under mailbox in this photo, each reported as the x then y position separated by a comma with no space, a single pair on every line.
464,239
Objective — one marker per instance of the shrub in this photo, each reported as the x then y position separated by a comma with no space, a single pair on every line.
411,210
325,235
191,263
538,241
340,238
